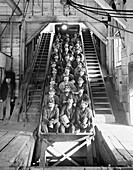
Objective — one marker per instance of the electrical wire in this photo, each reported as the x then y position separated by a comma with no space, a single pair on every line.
10,18
70,1
122,29
103,12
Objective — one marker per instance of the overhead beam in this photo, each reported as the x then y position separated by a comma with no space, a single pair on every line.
30,18
14,7
36,33
96,32
105,5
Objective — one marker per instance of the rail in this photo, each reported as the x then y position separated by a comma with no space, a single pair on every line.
101,69
47,66
88,82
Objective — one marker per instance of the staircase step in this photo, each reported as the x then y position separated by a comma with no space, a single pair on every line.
90,54
93,67
94,71
90,57
95,75
100,102
103,109
96,79
101,99
98,90
92,61
102,106
99,84
103,112
100,95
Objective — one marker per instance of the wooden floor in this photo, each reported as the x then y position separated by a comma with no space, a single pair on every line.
115,143
16,144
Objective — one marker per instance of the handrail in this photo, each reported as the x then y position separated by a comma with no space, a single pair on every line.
101,70
31,79
88,87
23,87
47,66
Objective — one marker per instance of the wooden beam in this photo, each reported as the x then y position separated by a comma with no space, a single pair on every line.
37,32
54,18
11,42
96,32
112,38
22,48
105,6
14,6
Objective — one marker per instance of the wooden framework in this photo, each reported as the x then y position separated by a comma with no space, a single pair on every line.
105,5
14,6
57,148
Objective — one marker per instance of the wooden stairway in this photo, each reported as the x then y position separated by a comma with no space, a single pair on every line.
100,100
36,88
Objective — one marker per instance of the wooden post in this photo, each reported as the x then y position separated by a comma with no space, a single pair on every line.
44,146
11,42
0,36
42,7
32,7
89,153
53,7
109,52
22,49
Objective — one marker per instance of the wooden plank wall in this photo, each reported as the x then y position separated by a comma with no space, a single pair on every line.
44,7
4,8
11,46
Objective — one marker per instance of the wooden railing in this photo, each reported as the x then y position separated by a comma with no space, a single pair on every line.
20,103
44,83
88,82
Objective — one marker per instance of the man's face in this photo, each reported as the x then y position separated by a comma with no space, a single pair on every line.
84,104
51,105
67,57
81,72
78,59
70,100
51,93
67,71
66,79
8,80
81,91
80,82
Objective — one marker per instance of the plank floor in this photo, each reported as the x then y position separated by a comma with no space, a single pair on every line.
118,143
16,144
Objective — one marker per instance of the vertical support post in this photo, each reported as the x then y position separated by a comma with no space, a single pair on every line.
89,152
22,49
0,36
22,45
109,51
44,146
32,7
42,7
11,43
53,8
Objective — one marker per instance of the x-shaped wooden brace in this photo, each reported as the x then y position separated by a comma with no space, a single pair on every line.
67,155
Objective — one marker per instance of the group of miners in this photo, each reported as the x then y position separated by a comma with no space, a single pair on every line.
66,99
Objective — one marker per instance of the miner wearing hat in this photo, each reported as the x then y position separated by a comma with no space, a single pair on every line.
50,119
84,117
67,116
